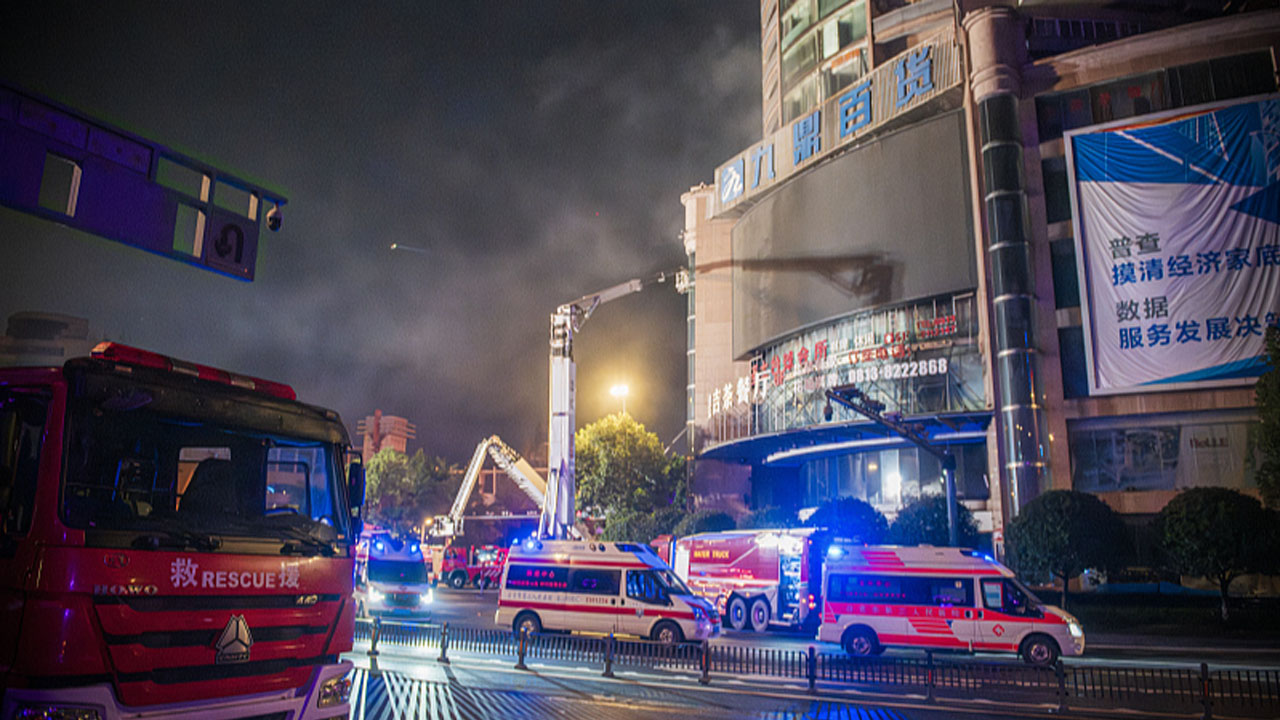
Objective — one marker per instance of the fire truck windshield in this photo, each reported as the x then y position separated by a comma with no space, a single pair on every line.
405,572
176,468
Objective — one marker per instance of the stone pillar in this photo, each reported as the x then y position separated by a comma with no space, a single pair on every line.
995,42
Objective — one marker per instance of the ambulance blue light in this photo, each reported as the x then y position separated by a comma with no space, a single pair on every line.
835,551
379,546
532,544
413,548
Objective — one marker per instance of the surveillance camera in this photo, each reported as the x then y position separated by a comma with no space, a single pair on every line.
274,217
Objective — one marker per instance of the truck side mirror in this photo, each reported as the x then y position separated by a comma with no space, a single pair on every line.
355,484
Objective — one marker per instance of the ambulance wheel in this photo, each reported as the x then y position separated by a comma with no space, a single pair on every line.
759,614
667,633
1039,650
860,642
737,613
458,579
527,622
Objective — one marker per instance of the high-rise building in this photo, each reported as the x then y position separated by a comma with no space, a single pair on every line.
1045,233
378,431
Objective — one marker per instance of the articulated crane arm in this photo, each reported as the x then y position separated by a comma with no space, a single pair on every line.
558,512
511,462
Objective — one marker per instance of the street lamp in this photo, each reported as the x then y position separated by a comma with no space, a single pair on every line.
620,391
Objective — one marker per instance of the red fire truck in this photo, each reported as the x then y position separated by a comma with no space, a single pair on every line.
755,578
177,543
460,565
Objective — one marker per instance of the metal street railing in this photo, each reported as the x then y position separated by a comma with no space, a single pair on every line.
1210,693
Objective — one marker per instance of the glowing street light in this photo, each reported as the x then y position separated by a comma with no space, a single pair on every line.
620,391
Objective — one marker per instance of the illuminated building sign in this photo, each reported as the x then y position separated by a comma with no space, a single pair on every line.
917,358
891,90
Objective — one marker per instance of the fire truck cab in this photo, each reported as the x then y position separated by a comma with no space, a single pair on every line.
479,565
176,543
938,598
600,587
394,581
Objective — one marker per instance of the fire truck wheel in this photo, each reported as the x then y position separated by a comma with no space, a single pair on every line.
527,622
737,613
860,642
458,579
1039,650
667,633
759,615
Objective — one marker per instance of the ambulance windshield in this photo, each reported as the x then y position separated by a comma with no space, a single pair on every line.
674,584
406,572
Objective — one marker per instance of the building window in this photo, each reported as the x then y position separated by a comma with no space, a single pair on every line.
800,100
850,27
844,71
1142,455
795,21
1057,191
799,59
1181,86
1066,281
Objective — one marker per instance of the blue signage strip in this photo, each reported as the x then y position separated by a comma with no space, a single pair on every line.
63,166
891,90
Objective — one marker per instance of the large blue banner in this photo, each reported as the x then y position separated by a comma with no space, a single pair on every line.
1178,243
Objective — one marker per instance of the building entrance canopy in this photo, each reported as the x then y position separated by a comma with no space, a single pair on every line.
796,447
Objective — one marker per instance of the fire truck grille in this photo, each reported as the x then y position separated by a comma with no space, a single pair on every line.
171,676
402,599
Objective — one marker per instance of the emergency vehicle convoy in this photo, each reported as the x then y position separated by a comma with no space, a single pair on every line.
177,543
754,577
938,598
394,581
599,587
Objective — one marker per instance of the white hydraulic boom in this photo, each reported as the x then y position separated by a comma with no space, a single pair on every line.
558,512
511,462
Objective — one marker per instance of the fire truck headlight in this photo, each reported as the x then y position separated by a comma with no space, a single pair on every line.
334,691
427,597
1075,629
56,712
835,551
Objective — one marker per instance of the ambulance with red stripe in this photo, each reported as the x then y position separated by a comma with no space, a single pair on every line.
600,587
938,598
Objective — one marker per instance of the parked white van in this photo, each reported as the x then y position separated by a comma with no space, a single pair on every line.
599,587
938,598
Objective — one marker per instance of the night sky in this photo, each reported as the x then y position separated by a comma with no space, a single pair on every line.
534,152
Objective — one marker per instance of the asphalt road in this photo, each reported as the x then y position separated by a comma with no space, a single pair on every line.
475,608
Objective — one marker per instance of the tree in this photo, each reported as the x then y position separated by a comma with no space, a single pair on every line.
924,522
852,519
1062,533
635,526
403,490
705,521
770,517
1267,395
622,467
1218,534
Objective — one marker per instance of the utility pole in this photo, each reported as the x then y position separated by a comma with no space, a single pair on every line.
851,397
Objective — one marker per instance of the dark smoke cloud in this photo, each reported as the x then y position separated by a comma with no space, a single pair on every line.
534,151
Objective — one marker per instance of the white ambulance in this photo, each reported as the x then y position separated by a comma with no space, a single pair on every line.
938,598
394,581
599,587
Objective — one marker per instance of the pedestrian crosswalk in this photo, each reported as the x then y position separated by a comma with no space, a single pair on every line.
385,695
